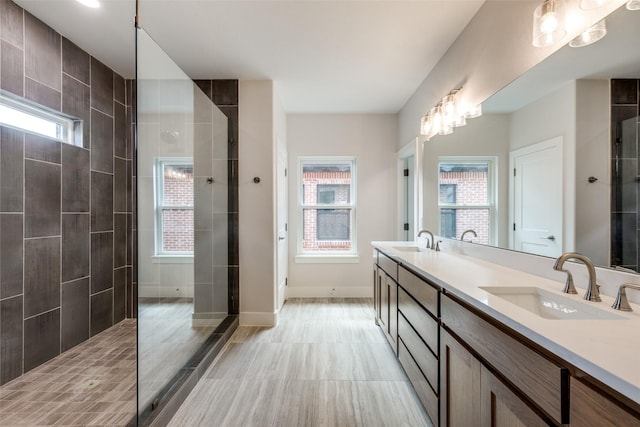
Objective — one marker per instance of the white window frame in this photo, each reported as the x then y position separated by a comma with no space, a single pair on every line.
160,207
24,115
492,192
350,256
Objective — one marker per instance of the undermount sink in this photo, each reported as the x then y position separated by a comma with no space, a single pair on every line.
549,305
407,248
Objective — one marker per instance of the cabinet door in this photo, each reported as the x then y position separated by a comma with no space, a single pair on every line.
393,311
384,300
459,384
592,408
500,407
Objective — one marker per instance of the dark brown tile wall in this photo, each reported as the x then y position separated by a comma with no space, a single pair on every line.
625,172
65,211
224,93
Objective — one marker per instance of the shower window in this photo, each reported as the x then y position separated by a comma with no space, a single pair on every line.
174,207
21,114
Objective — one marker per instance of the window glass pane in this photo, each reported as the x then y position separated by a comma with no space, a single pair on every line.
465,184
333,194
177,184
327,229
454,222
27,116
177,230
326,183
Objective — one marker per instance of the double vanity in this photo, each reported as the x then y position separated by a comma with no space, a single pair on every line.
488,345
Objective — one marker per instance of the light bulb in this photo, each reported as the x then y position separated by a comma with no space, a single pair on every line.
549,23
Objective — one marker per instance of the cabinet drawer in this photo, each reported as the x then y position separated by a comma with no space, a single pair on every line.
420,384
422,291
424,358
543,381
422,322
388,265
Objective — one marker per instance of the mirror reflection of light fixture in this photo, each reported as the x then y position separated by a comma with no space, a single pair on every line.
549,23
449,113
633,5
590,35
592,4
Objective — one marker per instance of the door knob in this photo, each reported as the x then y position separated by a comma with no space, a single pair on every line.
552,238
280,238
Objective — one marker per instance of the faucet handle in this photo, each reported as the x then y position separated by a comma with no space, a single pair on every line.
622,302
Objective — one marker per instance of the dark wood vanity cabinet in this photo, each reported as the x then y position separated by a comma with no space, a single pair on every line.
515,384
590,407
387,291
468,369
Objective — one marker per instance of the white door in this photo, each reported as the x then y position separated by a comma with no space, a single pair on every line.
537,185
282,180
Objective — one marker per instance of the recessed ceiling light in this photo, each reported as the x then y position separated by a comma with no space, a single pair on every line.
90,3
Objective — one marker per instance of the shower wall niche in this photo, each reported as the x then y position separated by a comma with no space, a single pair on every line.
65,211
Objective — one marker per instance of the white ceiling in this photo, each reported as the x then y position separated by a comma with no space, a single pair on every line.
325,56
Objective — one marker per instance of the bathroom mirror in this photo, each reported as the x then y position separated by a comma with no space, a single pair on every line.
569,128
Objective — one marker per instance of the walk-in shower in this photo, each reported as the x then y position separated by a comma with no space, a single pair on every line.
183,216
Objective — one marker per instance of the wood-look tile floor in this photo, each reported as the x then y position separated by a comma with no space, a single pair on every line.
325,364
91,384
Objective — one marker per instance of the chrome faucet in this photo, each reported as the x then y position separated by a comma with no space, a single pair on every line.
431,244
622,303
464,233
593,293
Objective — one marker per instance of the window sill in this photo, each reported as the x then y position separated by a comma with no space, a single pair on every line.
172,259
328,259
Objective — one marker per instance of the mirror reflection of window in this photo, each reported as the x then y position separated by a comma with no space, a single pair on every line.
466,198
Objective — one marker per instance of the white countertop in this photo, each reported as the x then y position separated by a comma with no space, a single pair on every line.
608,350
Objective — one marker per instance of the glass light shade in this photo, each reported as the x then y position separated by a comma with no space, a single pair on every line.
590,35
425,125
474,112
592,4
633,5
460,121
446,130
436,119
89,3
549,23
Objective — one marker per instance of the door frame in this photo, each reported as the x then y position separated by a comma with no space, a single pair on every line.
539,146
414,148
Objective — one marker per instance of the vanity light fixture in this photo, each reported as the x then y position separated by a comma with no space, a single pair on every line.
633,5
590,35
448,114
592,4
549,23
90,3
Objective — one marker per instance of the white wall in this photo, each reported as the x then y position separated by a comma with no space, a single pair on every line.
551,116
256,203
371,138
487,135
593,127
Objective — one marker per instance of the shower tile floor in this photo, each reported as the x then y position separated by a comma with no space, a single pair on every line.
91,384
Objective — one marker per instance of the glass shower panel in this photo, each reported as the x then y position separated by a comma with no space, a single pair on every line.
182,220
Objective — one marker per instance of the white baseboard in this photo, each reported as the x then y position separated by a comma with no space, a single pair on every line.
258,319
153,290
328,291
